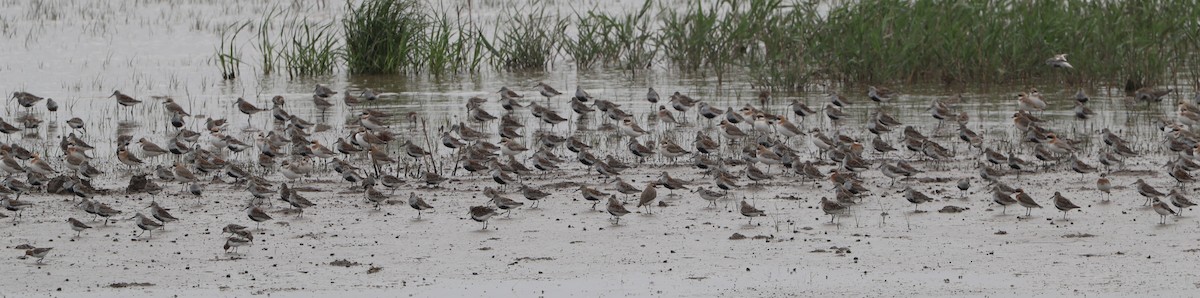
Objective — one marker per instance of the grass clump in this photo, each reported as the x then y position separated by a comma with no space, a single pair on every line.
383,36
625,40
228,57
310,49
452,46
530,42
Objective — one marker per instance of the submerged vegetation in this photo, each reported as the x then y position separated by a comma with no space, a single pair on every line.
776,43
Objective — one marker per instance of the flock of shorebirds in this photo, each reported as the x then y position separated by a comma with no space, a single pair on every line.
746,139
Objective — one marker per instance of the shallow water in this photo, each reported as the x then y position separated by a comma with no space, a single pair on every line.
78,52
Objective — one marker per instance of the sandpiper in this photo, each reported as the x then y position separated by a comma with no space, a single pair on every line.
832,208
38,252
1147,191
879,94
616,209
582,95
257,215
77,226
591,194
146,224
647,197
1151,94
482,214
1163,210
1105,186
546,90
233,242
1003,198
1063,204
749,211
1026,201
125,100
916,197
161,214
418,203
1059,60
323,91
247,108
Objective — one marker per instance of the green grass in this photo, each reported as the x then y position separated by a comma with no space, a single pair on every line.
529,42
452,46
779,44
1007,40
384,36
312,49
266,44
228,57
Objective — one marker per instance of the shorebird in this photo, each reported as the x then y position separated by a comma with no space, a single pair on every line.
916,197
533,194
1163,211
38,252
1147,191
376,197
1059,60
1105,186
1026,201
749,211
146,224
710,196
546,90
1081,97
257,215
1063,204
482,214
879,94
508,93
14,205
630,128
233,242
1151,94
582,95
323,91
125,100
174,108
647,197
616,209
964,184
1003,198
801,110
27,100
247,108
418,203
161,214
682,102
652,96
1180,201
832,208
1082,112
838,100
1029,103
77,226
